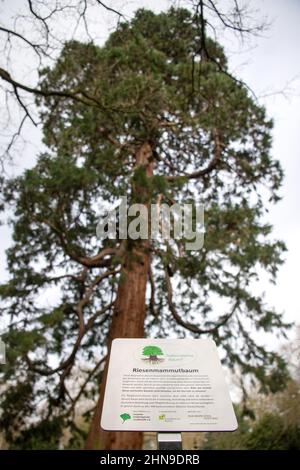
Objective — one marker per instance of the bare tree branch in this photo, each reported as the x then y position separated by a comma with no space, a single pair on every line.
36,47
233,22
110,9
15,136
37,16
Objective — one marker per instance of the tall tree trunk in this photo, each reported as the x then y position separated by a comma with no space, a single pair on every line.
128,317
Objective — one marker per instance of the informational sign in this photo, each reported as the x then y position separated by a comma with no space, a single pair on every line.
166,385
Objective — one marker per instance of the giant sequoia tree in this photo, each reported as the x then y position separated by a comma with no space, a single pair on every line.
156,116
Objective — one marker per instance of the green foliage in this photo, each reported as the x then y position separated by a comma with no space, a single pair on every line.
45,436
271,434
159,184
229,440
268,433
266,422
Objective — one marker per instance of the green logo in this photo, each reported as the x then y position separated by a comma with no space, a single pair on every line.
162,417
152,353
125,417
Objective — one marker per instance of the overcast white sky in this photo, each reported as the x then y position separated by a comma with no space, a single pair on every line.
269,64
269,67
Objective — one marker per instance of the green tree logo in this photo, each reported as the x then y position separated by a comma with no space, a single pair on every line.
151,353
125,417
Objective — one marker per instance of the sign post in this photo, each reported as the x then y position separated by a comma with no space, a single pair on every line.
169,441
168,386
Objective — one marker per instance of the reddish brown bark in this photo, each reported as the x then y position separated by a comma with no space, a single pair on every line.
128,317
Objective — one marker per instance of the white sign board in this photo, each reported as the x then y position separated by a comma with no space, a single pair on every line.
166,385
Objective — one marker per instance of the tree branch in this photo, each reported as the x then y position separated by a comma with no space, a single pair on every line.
152,294
112,10
36,47
96,261
75,96
69,362
190,326
87,380
211,166
38,17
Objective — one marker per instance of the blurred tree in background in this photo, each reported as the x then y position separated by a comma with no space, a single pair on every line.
267,421
276,425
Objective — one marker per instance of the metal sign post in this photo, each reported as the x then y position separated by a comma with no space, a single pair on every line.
169,441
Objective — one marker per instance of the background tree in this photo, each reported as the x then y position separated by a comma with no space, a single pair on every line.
154,114
273,425
267,421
